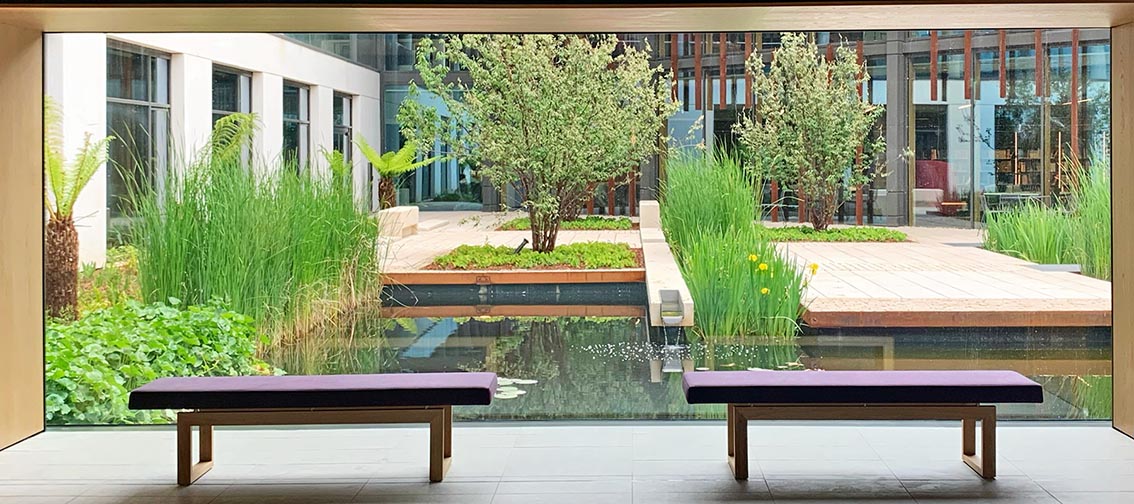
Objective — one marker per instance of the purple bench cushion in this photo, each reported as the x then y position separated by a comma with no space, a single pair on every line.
324,391
860,387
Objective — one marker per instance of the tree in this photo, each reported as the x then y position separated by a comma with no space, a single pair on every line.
549,114
390,165
63,183
809,123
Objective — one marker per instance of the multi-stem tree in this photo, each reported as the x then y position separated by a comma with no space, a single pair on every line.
550,114
809,122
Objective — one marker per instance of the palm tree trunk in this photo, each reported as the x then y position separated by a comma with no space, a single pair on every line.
61,268
387,194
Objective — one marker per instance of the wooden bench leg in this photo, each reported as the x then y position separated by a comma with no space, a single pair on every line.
187,470
985,463
728,423
738,427
438,462
448,431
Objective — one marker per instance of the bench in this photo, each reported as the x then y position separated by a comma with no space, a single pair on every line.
864,395
328,399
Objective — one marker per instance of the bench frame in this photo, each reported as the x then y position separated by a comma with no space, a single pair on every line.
969,414
439,418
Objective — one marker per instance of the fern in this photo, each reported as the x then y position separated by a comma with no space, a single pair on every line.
65,181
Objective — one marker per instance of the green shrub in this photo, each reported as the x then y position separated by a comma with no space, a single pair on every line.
590,222
1075,230
584,255
272,241
114,283
841,234
92,363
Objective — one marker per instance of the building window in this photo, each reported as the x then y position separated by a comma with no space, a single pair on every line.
137,114
232,92
343,126
296,125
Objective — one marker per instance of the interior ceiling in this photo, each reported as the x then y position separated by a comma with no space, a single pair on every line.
594,16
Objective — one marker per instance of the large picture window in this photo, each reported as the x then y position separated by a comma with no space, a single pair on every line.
296,124
137,114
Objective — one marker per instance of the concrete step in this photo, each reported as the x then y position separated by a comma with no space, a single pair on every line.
432,225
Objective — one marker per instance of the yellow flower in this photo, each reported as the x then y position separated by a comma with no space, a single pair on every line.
753,257
814,268
764,291
763,266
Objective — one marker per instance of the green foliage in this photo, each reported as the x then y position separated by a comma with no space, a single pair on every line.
704,193
809,122
845,234
272,242
1077,230
583,255
551,114
741,284
114,283
393,163
94,362
64,181
590,222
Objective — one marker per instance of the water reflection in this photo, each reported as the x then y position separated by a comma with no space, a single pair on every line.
579,367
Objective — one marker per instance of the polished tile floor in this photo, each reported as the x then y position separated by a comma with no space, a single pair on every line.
583,463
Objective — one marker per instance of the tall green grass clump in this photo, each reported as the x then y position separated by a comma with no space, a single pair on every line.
282,247
1075,230
705,193
741,283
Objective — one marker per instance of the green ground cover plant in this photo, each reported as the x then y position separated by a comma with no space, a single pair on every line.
589,222
831,234
583,255
278,245
1074,230
92,363
742,285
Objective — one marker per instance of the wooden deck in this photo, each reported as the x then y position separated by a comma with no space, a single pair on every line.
942,279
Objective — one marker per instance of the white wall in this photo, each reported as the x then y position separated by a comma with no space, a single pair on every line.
76,77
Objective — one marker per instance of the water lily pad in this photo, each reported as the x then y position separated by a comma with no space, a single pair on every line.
504,381
758,369
702,369
519,381
506,389
506,395
520,392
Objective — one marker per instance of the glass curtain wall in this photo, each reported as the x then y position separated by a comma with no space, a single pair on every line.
232,92
137,114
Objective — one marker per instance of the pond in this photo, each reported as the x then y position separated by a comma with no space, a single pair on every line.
564,362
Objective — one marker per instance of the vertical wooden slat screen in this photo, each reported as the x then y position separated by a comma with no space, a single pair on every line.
1003,36
697,77
933,65
1074,93
673,62
968,64
724,63
747,76
1039,63
1122,181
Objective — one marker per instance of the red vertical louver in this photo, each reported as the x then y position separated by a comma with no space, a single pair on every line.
933,65
1039,63
673,61
968,64
747,76
723,63
1074,92
1003,36
697,77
